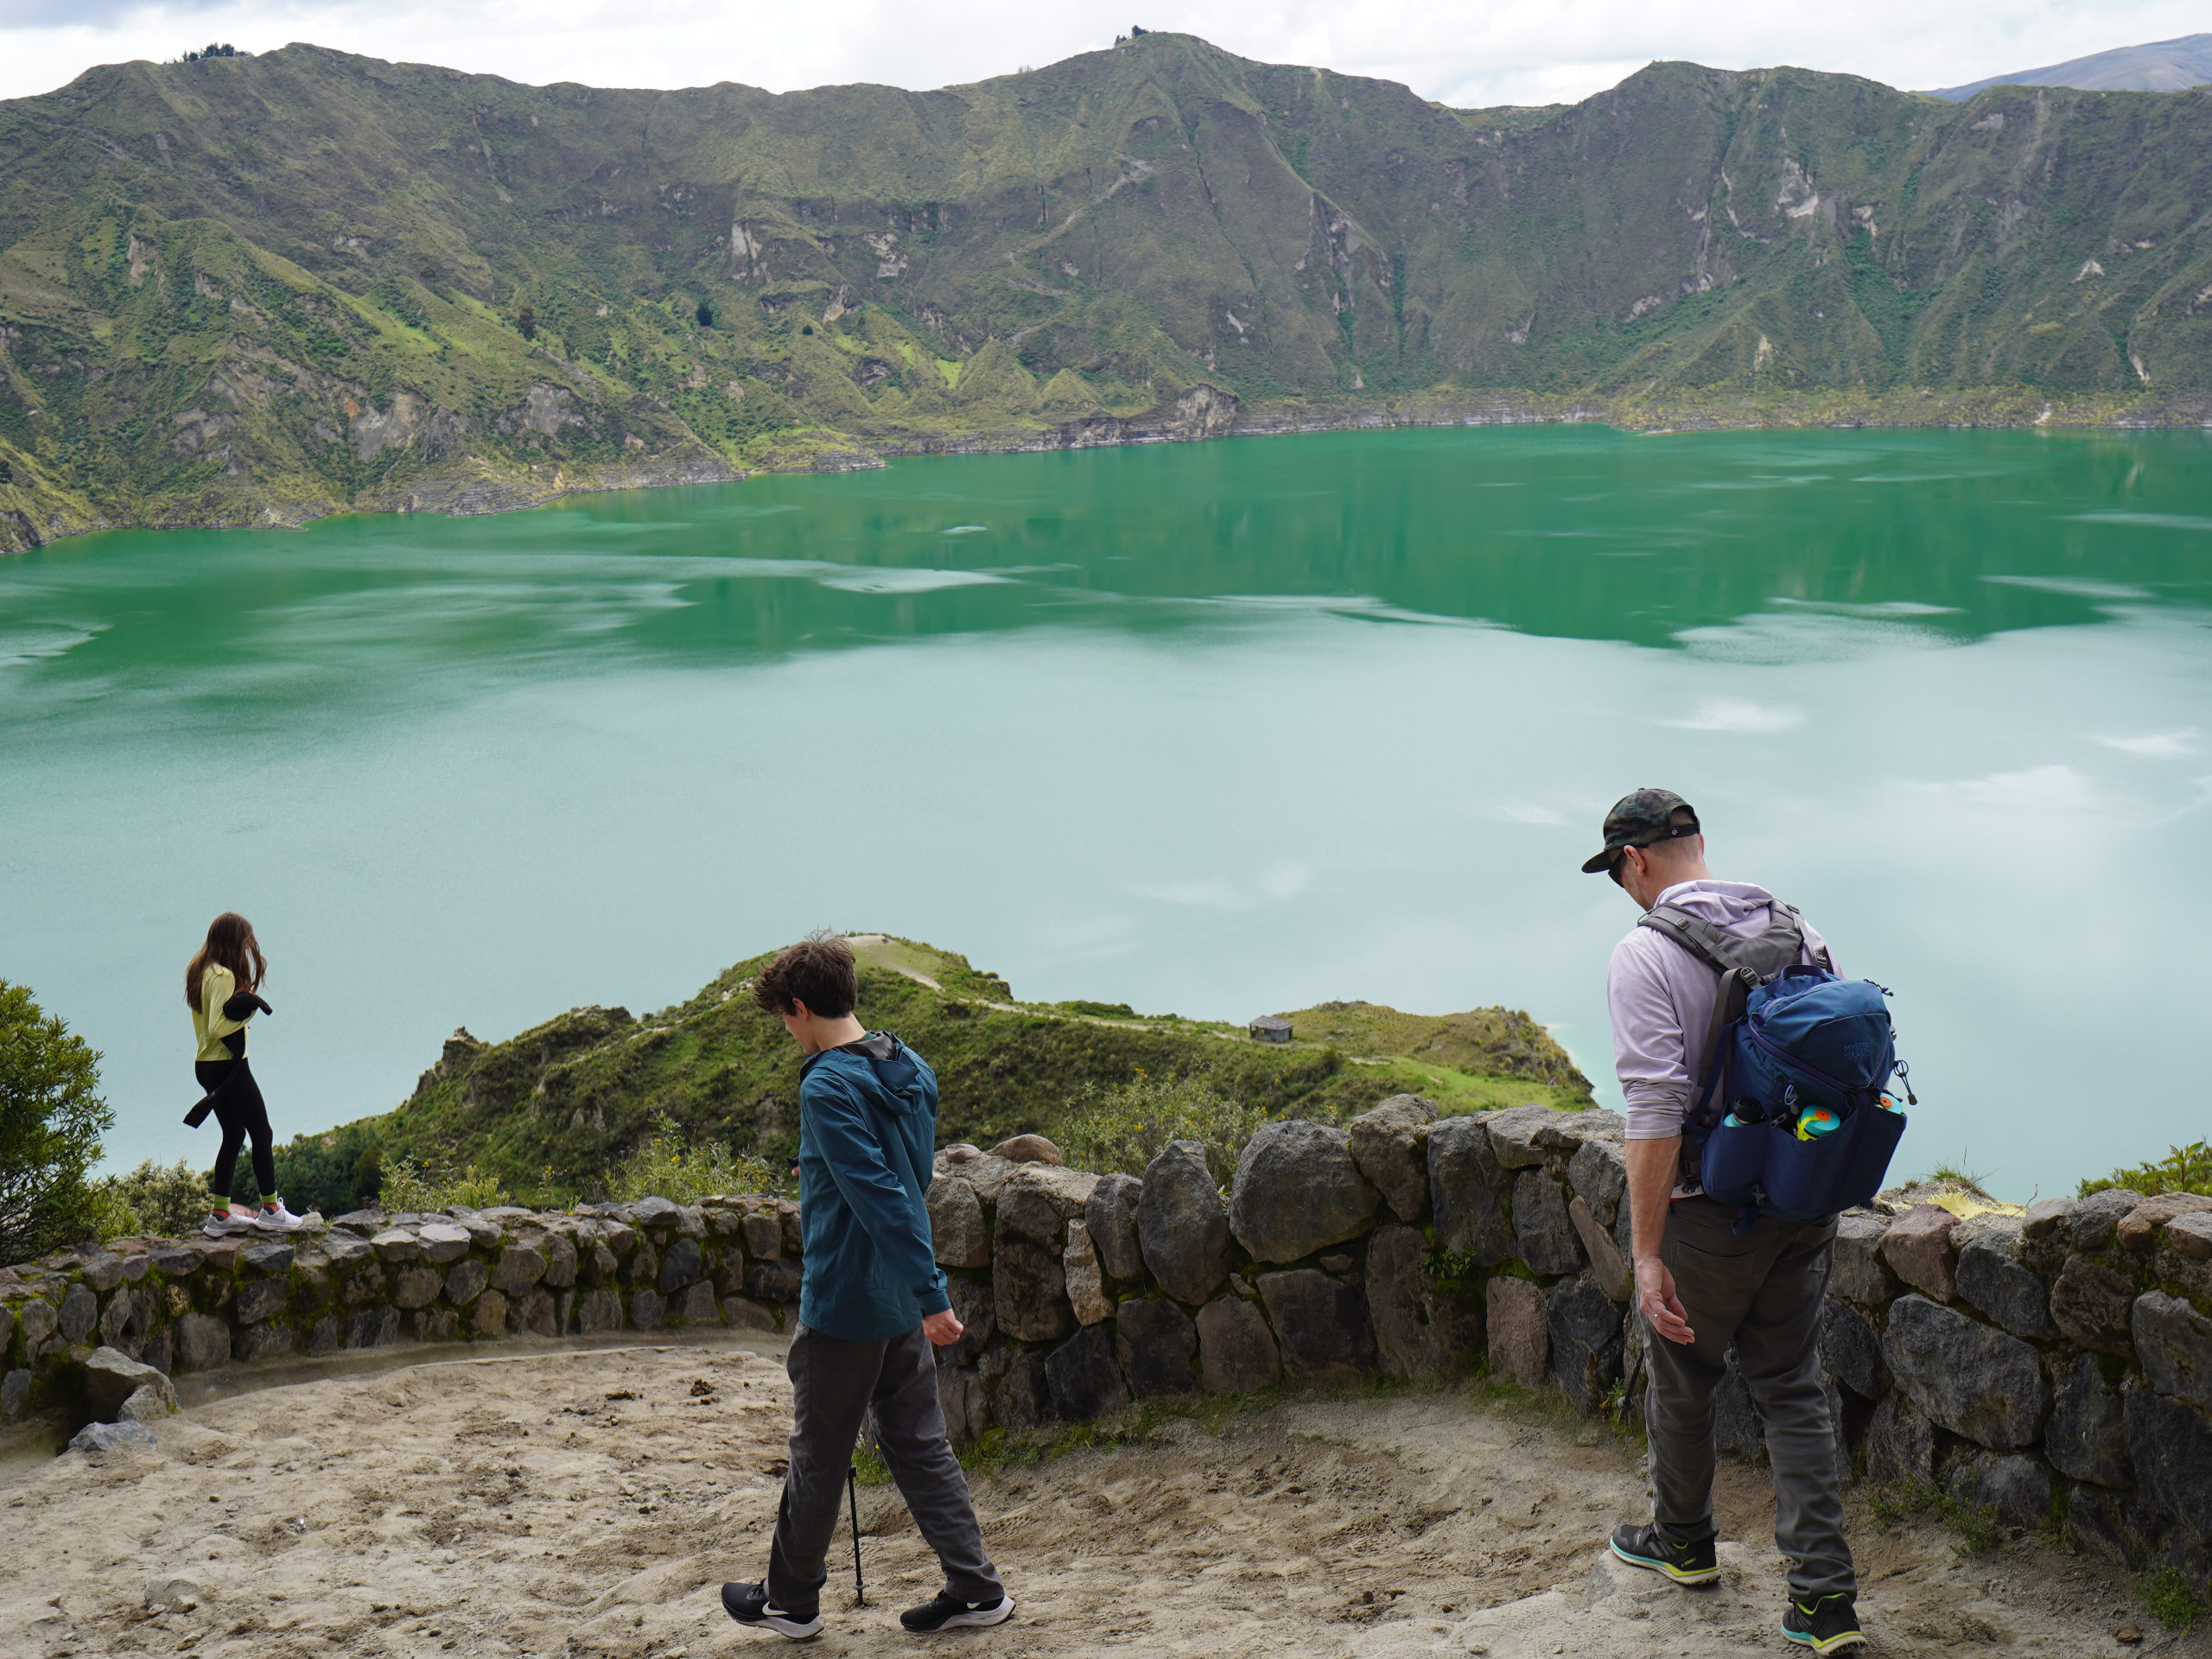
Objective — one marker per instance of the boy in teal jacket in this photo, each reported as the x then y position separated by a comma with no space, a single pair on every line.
872,1302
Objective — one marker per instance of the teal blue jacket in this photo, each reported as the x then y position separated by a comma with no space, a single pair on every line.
866,1139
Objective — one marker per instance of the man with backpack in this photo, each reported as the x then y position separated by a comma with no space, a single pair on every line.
1713,1276
871,1303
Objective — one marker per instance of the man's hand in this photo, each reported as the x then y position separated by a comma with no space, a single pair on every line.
1651,1184
943,1329
1655,1295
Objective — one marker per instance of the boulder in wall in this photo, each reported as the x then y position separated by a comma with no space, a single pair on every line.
1321,1324
1975,1381
1467,1189
2174,1342
112,1376
1297,1190
1154,1340
1109,1215
1585,1327
1083,1379
1993,1277
1237,1351
1420,1329
1390,1145
1520,1343
1182,1224
2086,1438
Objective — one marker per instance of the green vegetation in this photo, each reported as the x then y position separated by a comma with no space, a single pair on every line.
2184,1169
2171,1602
251,289
1948,1173
167,1203
703,1097
51,1121
668,1165
1978,1527
409,1186
1124,1127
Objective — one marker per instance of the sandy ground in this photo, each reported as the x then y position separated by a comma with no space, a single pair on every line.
589,1504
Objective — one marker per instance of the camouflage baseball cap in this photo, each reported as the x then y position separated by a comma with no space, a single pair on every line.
1639,819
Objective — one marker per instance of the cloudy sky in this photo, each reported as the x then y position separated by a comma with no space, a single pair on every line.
1464,52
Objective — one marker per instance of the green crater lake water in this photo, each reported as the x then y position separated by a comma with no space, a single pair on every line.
1221,728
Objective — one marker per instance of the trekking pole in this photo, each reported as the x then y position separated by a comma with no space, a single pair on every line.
853,1492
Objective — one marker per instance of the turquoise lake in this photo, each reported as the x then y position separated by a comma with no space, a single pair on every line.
1221,729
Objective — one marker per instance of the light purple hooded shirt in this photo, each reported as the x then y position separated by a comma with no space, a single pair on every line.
1661,999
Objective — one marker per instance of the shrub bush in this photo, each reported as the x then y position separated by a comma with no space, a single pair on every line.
1123,1128
168,1203
51,1121
667,1167
409,1185
2185,1169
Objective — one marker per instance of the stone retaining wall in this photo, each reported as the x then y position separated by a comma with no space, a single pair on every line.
2056,1367
371,1279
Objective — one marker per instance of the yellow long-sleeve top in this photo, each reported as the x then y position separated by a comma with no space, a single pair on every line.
218,985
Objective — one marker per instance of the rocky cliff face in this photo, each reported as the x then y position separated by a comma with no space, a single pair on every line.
253,290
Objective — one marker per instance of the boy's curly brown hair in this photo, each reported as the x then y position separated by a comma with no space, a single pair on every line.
819,971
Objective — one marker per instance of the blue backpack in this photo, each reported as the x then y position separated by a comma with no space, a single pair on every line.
1791,1117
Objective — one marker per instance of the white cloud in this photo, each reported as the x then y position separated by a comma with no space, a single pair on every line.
1197,895
1736,714
1516,51
1518,812
1283,879
2158,745
2036,791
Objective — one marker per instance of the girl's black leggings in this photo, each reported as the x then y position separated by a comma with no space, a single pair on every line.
239,1110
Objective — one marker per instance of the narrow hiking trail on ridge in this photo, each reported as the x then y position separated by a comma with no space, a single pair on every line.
585,1503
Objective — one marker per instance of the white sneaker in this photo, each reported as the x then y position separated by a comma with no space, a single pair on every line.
278,1217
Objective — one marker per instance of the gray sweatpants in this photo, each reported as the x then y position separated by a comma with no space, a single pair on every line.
834,1385
1763,1292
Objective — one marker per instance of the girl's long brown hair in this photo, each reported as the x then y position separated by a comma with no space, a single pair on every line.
230,945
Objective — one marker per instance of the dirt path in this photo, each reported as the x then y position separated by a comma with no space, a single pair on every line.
582,1504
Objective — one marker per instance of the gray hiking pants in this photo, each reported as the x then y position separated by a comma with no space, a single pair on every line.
1762,1292
834,1385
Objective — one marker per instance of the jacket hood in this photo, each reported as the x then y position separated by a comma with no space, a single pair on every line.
883,1066
1737,906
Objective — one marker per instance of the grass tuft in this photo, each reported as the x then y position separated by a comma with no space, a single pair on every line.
1978,1527
2171,1602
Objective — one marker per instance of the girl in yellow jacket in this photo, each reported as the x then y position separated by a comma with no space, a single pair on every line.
222,987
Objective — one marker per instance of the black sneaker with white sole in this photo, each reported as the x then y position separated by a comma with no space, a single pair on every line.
1697,1563
749,1606
949,1612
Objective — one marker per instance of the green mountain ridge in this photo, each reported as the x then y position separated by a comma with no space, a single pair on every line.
550,1111
252,290
2155,67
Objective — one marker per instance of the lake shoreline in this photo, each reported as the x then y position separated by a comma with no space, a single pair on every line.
1206,412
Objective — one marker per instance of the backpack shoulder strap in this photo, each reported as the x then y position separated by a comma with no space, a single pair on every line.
1741,960
1763,956
1820,957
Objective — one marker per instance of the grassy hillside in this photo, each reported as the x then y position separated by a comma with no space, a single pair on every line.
549,1112
255,289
